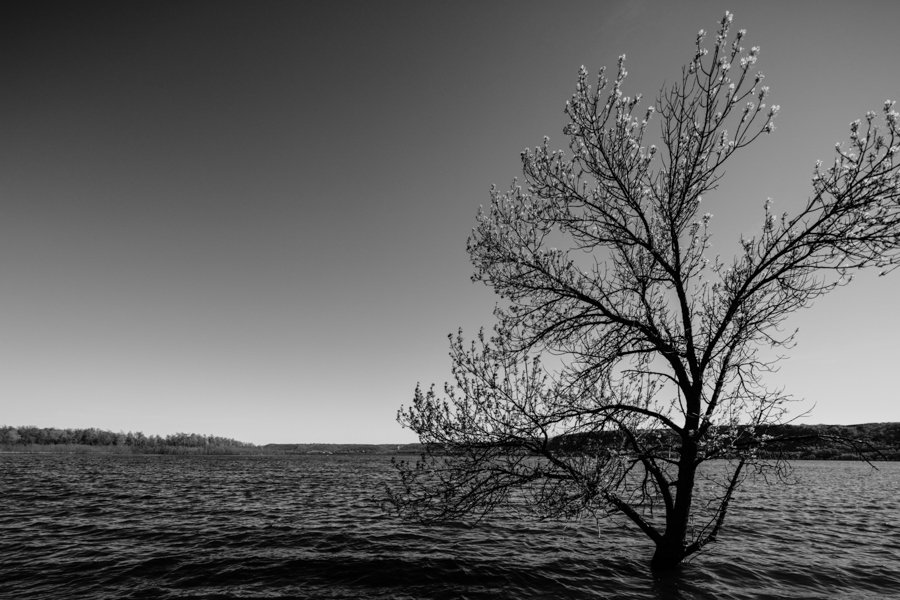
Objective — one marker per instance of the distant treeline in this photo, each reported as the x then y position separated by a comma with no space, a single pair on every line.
44,439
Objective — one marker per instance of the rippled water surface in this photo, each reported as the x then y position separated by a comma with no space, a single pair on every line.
110,526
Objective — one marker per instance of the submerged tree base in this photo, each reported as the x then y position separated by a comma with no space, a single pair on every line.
667,559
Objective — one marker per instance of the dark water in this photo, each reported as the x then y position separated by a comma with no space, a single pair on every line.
87,526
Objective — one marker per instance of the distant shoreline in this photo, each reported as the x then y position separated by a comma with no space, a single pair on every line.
876,441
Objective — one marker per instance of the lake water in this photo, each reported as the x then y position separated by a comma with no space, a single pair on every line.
111,526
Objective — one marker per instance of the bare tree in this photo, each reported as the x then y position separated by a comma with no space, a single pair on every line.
654,354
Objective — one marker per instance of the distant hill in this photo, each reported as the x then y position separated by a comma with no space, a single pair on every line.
879,441
874,441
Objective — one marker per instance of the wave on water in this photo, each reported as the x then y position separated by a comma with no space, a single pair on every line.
113,526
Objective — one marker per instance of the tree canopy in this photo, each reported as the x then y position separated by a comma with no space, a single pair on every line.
616,317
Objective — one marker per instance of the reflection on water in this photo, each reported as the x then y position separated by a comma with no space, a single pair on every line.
87,526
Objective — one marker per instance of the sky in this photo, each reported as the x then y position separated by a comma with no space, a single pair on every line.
249,219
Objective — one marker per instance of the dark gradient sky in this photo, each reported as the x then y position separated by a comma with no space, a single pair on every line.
249,219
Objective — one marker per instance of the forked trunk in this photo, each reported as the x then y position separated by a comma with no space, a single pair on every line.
671,548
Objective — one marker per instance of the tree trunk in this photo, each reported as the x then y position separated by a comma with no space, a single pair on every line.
668,555
670,549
